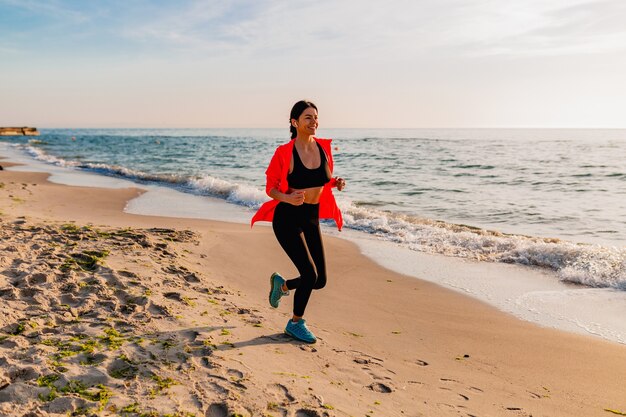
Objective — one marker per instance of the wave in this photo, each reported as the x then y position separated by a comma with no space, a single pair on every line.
42,156
105,169
589,265
233,192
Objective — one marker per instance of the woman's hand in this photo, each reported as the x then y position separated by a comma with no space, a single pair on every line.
341,184
295,198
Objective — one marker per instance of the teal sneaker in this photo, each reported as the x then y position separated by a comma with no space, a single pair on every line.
276,289
299,331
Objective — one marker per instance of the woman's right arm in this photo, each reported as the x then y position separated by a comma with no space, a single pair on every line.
295,198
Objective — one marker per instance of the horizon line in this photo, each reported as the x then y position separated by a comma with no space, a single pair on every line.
361,128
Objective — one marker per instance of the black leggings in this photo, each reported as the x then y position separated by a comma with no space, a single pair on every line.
297,229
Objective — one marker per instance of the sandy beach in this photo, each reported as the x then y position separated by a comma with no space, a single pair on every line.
108,313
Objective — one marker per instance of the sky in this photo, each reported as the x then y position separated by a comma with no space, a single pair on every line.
365,63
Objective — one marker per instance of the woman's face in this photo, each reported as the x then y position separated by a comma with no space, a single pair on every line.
307,122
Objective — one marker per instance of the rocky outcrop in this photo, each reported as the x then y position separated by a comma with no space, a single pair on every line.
18,131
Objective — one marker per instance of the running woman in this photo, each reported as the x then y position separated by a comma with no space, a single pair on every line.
299,181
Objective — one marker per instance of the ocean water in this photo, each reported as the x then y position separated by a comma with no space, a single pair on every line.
554,198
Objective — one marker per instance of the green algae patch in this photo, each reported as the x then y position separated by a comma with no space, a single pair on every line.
112,338
162,384
74,346
47,380
188,301
100,393
131,409
72,228
87,260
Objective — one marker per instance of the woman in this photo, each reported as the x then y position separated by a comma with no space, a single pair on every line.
299,181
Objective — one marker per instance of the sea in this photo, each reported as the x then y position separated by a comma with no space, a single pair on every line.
549,203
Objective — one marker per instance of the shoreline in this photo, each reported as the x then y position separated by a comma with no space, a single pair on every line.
533,294
389,344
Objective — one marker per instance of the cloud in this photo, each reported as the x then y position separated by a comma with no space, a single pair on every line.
221,27
549,28
51,9
394,30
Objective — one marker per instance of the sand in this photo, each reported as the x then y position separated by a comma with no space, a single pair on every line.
108,313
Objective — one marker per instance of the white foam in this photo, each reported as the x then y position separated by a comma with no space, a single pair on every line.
586,264
233,192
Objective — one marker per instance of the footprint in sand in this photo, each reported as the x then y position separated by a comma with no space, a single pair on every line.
518,411
379,374
379,387
8,293
18,374
191,278
306,413
236,378
29,292
128,274
159,309
307,348
369,363
207,362
122,369
459,386
68,299
110,305
189,335
39,278
281,393
234,374
176,296
278,412
217,410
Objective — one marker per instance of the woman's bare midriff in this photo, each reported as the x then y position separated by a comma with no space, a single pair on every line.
311,195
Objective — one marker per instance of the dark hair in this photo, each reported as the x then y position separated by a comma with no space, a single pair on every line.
296,111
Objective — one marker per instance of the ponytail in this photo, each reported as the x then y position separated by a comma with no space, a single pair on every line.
293,130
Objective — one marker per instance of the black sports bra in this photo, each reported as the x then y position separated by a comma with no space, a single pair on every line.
302,177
